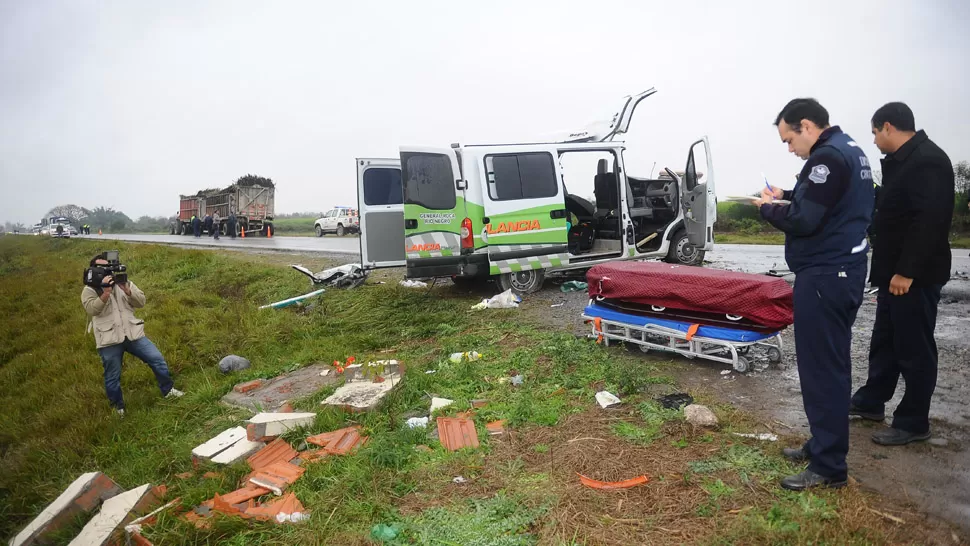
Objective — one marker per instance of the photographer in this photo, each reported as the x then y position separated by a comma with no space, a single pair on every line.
111,305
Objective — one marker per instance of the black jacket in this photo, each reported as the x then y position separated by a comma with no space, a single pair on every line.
913,216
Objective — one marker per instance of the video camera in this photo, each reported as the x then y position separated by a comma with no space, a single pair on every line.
94,275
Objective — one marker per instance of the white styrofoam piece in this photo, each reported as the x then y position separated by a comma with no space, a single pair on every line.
274,424
113,513
240,450
62,502
606,399
221,442
438,403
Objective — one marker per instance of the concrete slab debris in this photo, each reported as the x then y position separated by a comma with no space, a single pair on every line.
366,385
224,440
275,392
242,449
113,514
243,388
699,415
496,428
455,433
83,495
263,425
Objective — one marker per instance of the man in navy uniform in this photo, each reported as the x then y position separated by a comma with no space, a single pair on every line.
910,264
825,246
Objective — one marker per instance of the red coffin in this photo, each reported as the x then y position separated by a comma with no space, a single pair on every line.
759,298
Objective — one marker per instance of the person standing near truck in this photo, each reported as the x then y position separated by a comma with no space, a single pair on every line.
215,224
825,246
911,261
207,223
196,226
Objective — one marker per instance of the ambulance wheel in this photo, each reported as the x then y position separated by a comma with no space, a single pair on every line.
340,230
742,365
774,355
682,252
522,282
319,230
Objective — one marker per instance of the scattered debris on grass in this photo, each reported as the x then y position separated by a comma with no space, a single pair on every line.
676,400
227,447
292,301
606,399
407,283
417,422
344,276
439,403
470,356
573,286
625,484
505,300
366,385
764,436
496,428
266,426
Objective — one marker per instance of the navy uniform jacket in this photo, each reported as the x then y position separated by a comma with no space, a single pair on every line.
831,206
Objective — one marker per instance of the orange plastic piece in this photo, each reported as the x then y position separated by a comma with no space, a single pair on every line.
692,331
276,451
625,484
455,433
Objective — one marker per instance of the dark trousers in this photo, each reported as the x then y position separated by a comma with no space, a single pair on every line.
903,344
232,230
197,229
145,350
826,302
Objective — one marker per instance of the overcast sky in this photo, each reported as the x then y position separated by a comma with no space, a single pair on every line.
127,104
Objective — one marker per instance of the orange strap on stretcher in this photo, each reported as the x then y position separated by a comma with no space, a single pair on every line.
692,331
598,325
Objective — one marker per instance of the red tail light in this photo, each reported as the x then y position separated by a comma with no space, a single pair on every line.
467,235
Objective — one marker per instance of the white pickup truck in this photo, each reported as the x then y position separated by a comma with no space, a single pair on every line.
338,220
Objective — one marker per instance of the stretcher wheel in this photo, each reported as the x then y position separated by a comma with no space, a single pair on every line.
742,365
743,350
774,355
637,348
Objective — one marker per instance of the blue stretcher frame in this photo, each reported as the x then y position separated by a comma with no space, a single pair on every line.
725,345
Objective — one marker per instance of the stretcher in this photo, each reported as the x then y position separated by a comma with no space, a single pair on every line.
735,346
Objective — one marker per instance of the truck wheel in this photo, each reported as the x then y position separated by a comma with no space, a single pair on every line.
682,252
319,230
340,230
522,282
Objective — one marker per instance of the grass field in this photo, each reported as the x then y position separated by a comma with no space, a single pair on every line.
707,486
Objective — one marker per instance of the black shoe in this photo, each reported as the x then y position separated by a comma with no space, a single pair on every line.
808,480
868,415
898,437
797,455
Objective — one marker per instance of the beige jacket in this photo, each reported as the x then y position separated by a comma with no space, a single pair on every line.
114,320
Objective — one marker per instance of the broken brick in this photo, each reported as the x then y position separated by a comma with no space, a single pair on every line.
339,442
479,403
139,540
243,388
285,408
113,514
211,475
199,521
496,427
184,475
276,451
244,494
277,476
279,510
160,491
456,433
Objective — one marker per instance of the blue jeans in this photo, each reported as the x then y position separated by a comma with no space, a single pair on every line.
145,350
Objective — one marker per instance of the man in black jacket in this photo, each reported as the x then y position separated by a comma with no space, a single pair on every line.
910,264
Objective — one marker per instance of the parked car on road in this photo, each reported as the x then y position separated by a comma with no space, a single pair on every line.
338,220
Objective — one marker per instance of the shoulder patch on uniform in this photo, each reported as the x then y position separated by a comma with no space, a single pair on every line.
853,144
819,174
